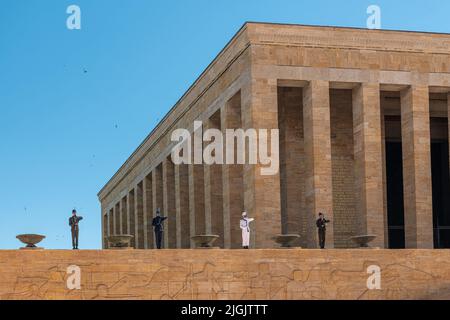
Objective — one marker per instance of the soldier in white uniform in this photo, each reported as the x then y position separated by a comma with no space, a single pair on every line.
245,221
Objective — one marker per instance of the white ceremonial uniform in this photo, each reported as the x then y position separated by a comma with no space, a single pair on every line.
246,231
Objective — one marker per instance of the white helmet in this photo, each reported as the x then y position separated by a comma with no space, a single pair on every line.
244,214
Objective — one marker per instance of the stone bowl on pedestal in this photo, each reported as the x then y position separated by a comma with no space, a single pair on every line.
30,240
286,240
205,241
120,241
363,241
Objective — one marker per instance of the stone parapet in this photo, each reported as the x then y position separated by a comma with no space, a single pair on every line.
225,274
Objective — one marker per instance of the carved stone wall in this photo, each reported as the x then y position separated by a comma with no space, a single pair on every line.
225,274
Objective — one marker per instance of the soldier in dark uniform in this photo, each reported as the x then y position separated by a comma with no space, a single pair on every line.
73,223
322,228
157,224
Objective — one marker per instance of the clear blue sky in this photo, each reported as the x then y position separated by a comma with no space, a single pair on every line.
64,132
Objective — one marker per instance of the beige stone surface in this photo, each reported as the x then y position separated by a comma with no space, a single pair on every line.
123,216
368,153
417,167
232,179
169,209
132,216
214,190
157,195
148,211
197,200
337,133
182,206
111,222
139,216
292,162
259,103
224,274
318,182
345,217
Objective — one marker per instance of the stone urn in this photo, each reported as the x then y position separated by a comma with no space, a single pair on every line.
30,240
286,240
205,241
363,240
122,241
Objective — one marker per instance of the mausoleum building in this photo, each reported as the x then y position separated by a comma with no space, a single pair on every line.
363,126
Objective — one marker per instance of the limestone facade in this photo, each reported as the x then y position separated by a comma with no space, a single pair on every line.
224,274
337,95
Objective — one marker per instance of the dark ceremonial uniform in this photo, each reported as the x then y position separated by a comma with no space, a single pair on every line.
73,223
322,228
157,224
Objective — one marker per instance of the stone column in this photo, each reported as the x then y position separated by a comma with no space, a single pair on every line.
196,200
121,222
139,215
368,150
232,179
261,191
170,230
318,173
124,214
136,219
207,186
117,224
385,210
415,114
131,217
182,205
104,228
148,212
157,189
111,221
213,190
290,118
